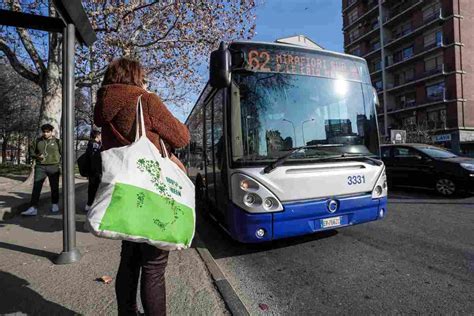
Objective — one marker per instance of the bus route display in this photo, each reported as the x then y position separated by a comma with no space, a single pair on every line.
267,58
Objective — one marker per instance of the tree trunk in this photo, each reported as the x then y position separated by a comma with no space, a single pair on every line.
18,151
51,102
4,149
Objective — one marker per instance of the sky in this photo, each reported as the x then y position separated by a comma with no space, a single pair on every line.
320,20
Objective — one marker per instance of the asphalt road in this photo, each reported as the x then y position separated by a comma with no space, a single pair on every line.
419,259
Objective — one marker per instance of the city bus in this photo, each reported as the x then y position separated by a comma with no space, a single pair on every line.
284,142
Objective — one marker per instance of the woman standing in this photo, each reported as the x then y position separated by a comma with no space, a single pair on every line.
115,112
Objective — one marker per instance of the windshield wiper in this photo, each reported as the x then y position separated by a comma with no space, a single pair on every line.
282,159
352,156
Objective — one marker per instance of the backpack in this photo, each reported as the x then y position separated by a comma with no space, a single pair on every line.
83,162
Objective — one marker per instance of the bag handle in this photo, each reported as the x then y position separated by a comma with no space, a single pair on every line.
140,123
139,120
163,147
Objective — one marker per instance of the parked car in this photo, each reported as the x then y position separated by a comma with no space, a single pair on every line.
420,165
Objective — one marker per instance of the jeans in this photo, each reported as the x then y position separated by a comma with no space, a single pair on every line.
41,172
152,262
94,182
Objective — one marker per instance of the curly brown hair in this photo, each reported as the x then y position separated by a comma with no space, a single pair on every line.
125,71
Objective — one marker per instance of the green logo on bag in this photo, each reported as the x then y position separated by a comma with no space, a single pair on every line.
140,199
153,169
174,186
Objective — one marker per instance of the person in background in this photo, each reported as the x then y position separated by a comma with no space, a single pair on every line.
115,112
46,152
95,172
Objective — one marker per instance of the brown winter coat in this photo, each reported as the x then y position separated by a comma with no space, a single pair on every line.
116,104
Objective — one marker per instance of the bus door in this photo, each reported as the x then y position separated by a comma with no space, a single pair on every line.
215,153
219,153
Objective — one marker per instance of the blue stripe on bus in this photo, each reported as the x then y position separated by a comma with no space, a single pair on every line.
301,218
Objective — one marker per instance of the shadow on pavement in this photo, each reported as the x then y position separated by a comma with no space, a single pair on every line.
44,223
16,177
17,297
31,251
221,245
402,195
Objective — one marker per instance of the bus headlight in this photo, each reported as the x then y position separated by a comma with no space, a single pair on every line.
252,196
250,199
268,203
378,191
380,188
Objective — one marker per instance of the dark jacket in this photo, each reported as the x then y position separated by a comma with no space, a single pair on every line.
115,109
95,161
50,149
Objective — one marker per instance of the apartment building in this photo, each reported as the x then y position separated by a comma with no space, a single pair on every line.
420,54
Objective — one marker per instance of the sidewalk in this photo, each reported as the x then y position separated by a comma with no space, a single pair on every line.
32,284
15,194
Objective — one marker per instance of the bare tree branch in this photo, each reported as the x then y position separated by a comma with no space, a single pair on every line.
158,40
28,43
17,65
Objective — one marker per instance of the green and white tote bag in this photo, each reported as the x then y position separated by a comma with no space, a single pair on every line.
144,196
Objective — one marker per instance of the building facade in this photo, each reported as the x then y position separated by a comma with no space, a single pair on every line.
420,55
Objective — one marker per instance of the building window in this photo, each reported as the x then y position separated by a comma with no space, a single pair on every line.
431,12
437,119
354,34
350,2
406,100
356,51
408,121
378,65
353,15
375,44
407,52
433,39
375,23
436,91
378,85
408,74
403,30
434,63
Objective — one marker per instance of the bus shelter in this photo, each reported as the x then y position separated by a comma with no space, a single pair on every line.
73,24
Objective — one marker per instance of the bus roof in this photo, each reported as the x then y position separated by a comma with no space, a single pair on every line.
322,51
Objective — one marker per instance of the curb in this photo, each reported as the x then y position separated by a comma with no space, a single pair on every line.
10,212
230,297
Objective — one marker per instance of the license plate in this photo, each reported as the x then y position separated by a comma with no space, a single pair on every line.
331,222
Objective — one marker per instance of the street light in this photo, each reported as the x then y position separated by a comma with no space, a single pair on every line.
302,129
294,129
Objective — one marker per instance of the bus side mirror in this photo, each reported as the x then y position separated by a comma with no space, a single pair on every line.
219,68
376,97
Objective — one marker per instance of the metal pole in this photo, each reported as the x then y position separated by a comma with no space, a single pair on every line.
302,129
70,253
294,130
384,73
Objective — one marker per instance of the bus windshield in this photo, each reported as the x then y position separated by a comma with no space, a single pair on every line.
275,112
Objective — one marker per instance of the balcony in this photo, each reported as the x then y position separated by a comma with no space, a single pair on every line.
426,75
400,12
369,11
428,101
364,33
349,6
406,34
416,55
371,52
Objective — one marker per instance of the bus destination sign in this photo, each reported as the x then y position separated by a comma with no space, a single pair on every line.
297,62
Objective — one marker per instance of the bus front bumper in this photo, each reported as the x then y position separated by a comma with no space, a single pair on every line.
303,218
